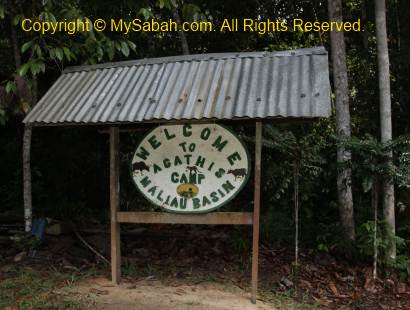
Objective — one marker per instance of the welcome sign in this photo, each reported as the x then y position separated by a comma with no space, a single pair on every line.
190,168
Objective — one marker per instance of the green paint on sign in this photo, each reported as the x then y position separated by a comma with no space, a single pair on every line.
186,130
154,142
190,168
157,168
218,144
145,181
168,136
152,190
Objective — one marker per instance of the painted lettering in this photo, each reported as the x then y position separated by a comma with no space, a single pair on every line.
205,133
219,144
143,153
169,136
154,142
186,130
233,157
200,161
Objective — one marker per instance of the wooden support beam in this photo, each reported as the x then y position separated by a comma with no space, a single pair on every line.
256,210
114,204
125,130
214,218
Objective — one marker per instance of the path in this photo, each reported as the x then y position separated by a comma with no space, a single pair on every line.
99,293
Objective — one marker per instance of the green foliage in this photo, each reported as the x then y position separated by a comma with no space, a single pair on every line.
146,13
372,159
10,87
325,242
64,162
309,145
402,264
2,11
330,239
240,241
26,242
191,12
365,239
3,116
34,66
365,245
164,4
130,269
26,46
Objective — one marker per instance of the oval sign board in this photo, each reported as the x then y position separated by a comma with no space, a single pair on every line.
190,168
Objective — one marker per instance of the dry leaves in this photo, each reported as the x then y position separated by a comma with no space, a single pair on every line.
98,291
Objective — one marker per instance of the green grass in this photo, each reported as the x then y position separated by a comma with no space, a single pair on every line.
26,288
133,270
286,301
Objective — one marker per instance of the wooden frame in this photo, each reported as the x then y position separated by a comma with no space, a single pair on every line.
213,218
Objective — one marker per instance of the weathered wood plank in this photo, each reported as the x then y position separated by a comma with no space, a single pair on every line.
214,218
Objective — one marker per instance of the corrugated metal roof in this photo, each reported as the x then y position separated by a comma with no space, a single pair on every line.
191,87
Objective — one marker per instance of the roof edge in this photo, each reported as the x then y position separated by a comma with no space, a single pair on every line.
320,50
177,121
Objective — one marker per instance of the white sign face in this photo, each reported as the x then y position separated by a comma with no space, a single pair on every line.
190,168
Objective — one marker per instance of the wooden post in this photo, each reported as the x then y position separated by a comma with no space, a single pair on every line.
256,210
114,204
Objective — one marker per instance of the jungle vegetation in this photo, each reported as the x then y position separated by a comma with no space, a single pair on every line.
346,167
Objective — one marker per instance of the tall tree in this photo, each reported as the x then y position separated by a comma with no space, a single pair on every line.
181,33
27,198
32,57
385,121
28,207
344,177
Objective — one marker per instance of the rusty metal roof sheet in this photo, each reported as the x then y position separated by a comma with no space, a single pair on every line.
223,86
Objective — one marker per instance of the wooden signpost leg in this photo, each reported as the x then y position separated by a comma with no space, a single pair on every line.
114,204
256,210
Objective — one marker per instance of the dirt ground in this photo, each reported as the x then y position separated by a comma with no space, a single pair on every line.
187,268
99,293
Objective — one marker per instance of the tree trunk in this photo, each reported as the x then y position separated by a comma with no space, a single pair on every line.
344,177
16,49
365,32
181,33
296,166
375,206
27,202
385,121
28,206
27,177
